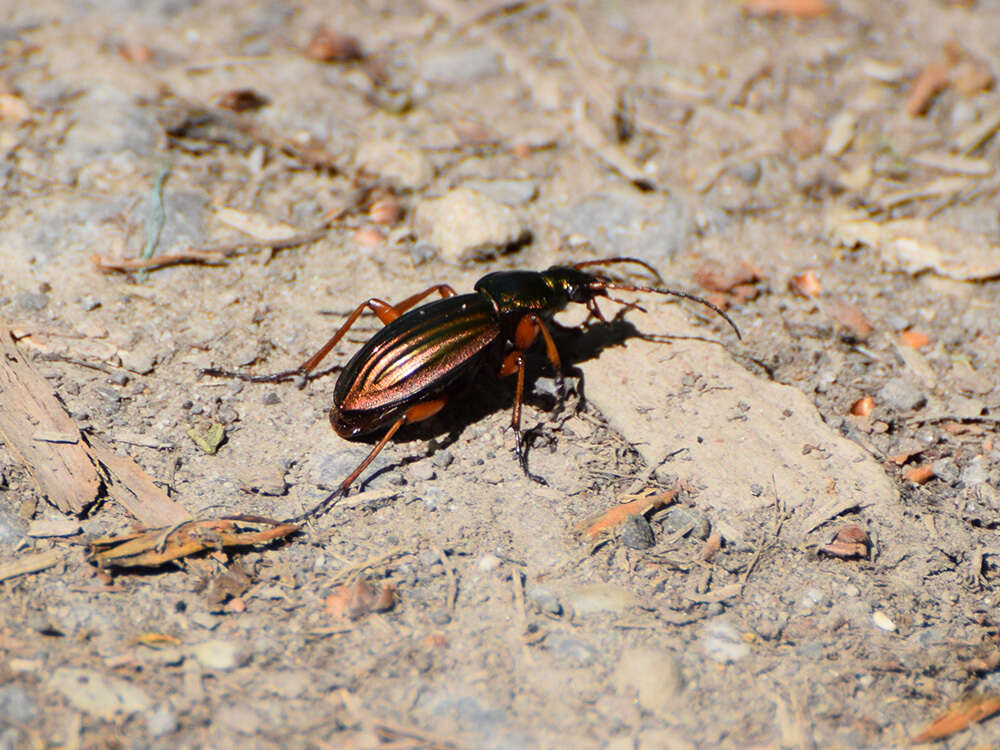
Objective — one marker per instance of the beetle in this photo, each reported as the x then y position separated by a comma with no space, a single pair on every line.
405,372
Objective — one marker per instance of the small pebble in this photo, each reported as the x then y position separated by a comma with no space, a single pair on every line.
901,395
637,533
489,562
271,398
544,600
440,617
218,654
882,622
652,674
32,301
465,225
422,471
442,459
161,720
722,643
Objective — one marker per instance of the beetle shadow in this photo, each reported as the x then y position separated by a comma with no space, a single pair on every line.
484,393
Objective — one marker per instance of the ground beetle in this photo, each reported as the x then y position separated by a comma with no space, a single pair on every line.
406,370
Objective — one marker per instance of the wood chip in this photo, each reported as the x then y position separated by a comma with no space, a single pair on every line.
62,468
930,82
968,712
29,564
615,516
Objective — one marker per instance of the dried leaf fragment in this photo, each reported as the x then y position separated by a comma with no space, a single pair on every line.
152,547
209,437
850,317
804,9
355,600
971,711
617,515
919,474
930,82
850,541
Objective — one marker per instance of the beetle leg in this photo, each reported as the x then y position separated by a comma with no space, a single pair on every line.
514,362
385,312
525,334
416,413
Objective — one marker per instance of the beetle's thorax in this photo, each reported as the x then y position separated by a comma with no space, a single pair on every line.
515,293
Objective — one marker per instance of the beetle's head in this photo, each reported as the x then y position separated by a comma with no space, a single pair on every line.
576,285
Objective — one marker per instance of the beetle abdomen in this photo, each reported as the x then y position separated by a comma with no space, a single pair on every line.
411,359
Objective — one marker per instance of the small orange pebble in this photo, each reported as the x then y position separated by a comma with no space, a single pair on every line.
914,339
919,474
328,45
238,604
385,210
863,406
134,51
806,283
369,237
711,546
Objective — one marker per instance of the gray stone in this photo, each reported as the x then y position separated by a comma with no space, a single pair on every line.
975,472
98,694
161,720
680,518
571,652
32,301
327,471
442,459
12,529
16,706
721,642
218,654
902,395
625,223
637,533
544,600
510,192
109,131
460,66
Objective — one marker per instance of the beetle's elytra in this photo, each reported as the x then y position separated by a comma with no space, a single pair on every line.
404,373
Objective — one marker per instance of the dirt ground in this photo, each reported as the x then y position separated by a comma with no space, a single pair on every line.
811,558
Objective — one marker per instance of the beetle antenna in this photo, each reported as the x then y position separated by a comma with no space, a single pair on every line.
684,295
621,259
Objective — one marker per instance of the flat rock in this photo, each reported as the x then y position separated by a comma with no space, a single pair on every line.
396,162
466,225
729,434
98,694
653,675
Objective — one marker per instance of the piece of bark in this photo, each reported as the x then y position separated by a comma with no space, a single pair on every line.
127,483
30,415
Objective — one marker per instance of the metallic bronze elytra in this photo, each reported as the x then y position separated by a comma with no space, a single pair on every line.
403,374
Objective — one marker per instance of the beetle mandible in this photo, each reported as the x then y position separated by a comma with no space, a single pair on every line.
404,372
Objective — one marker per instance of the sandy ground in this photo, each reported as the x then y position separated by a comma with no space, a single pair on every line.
811,559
